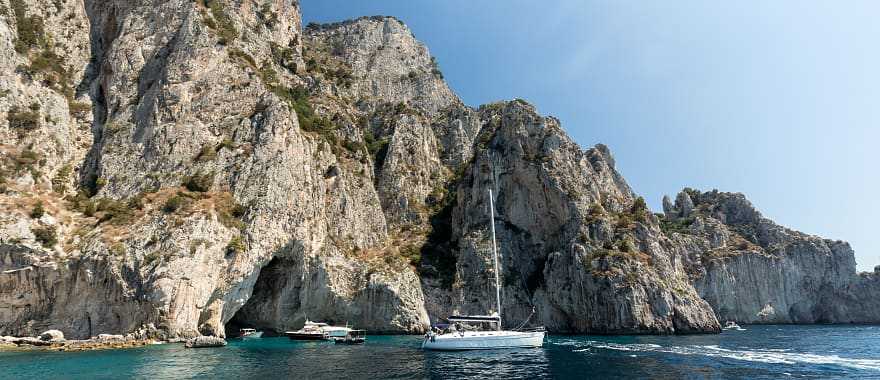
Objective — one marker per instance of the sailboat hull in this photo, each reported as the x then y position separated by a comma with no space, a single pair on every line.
483,340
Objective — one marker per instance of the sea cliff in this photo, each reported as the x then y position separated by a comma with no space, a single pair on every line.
203,165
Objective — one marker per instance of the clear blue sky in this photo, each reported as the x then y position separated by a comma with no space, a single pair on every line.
779,100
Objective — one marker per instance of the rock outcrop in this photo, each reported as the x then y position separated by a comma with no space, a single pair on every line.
52,336
204,165
204,342
754,271
576,243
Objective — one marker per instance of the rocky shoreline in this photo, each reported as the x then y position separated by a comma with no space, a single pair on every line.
54,340
102,342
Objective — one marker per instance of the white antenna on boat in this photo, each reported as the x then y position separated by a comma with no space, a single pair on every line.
495,255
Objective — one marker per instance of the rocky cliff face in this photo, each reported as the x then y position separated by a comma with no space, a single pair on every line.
576,244
184,199
755,271
202,165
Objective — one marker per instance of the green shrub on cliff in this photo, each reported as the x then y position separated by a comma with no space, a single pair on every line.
269,17
678,225
376,147
173,203
640,210
22,120
435,68
220,21
38,210
236,245
47,236
114,211
199,182
268,74
29,29
59,182
230,213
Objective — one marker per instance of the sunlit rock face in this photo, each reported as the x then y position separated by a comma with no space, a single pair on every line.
198,165
754,271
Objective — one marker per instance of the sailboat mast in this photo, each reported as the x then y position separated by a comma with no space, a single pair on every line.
495,255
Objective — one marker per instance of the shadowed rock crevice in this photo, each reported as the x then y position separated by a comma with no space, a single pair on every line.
274,303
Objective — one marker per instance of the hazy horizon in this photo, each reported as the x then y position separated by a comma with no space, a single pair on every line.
773,100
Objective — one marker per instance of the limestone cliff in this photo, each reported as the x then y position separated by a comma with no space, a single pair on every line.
203,165
754,271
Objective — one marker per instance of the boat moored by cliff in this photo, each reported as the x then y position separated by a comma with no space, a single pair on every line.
248,333
352,337
309,331
318,331
461,336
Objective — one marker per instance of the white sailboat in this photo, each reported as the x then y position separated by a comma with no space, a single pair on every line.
453,339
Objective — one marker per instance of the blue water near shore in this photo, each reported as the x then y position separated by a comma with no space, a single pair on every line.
770,352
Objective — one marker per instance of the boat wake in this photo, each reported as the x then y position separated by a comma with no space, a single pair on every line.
772,356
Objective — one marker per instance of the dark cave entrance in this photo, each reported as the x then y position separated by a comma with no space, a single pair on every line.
273,303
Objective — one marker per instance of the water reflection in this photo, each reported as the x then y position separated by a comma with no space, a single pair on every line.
532,363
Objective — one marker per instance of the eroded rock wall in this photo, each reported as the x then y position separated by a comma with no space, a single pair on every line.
200,164
752,270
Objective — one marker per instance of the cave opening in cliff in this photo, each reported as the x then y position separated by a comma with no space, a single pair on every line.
273,300
438,259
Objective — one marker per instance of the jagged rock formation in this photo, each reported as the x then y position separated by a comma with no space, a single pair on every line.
575,242
199,165
257,186
754,271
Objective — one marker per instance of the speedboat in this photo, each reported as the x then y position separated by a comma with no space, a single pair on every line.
249,333
731,325
309,331
458,337
353,337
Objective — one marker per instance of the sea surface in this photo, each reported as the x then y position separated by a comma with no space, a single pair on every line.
759,352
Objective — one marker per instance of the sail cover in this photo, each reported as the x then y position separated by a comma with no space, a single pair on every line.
474,318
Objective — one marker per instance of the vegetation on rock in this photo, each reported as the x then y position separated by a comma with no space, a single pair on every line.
219,21
23,120
29,29
46,235
199,182
38,210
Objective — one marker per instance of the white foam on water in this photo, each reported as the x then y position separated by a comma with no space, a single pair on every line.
772,356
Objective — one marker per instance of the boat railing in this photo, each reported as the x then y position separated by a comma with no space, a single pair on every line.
532,329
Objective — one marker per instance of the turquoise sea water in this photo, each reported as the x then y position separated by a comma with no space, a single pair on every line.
770,352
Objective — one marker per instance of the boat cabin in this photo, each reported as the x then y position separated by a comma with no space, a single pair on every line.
472,323
353,337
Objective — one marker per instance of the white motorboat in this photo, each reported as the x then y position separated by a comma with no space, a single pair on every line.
309,331
318,331
731,325
458,338
247,333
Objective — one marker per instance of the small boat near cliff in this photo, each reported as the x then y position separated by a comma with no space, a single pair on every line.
318,331
309,331
353,337
248,333
731,325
